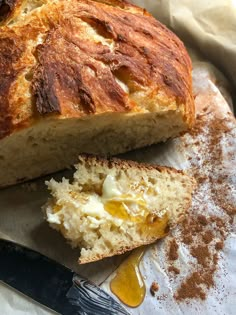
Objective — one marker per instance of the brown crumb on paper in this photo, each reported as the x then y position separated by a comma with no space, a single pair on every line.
187,239
162,297
173,250
174,270
219,245
191,288
154,288
207,237
201,253
202,220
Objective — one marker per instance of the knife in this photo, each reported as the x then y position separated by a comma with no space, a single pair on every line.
52,284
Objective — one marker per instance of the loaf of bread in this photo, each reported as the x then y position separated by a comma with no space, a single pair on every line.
113,206
76,76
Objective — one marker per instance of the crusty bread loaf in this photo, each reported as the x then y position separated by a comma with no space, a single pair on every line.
113,206
76,76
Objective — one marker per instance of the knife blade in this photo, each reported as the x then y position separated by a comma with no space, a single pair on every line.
52,284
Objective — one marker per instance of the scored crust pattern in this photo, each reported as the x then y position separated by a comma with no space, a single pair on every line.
87,57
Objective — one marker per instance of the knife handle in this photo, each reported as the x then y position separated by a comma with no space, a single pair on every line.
52,284
91,299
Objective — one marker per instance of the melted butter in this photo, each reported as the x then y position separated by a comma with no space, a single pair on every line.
122,208
149,225
128,284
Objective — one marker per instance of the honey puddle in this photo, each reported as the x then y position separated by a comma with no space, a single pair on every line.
128,284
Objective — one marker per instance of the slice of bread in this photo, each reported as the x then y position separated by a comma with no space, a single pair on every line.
113,206
101,77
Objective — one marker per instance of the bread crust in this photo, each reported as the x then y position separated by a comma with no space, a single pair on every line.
50,67
125,249
113,162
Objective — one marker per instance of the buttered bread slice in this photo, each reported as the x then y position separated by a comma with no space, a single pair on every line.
113,206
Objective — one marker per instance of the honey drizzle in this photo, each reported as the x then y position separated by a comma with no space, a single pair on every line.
128,284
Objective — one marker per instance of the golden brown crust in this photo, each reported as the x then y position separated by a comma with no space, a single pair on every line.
85,46
67,76
121,251
11,50
74,69
113,162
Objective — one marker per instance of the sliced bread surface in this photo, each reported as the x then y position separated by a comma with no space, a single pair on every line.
113,206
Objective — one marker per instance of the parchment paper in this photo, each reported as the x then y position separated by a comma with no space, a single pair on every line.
209,25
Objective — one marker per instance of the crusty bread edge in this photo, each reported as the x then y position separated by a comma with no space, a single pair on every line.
111,162
118,252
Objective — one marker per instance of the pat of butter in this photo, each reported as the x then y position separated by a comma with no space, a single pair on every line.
94,207
133,204
110,189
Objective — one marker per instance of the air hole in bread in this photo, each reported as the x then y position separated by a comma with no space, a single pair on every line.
101,176
152,181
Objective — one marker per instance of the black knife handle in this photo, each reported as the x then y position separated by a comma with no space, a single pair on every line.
91,299
52,284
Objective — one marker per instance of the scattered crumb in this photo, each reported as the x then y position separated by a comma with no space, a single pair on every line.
154,288
219,245
173,250
191,288
207,237
162,297
187,239
201,253
174,270
202,219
